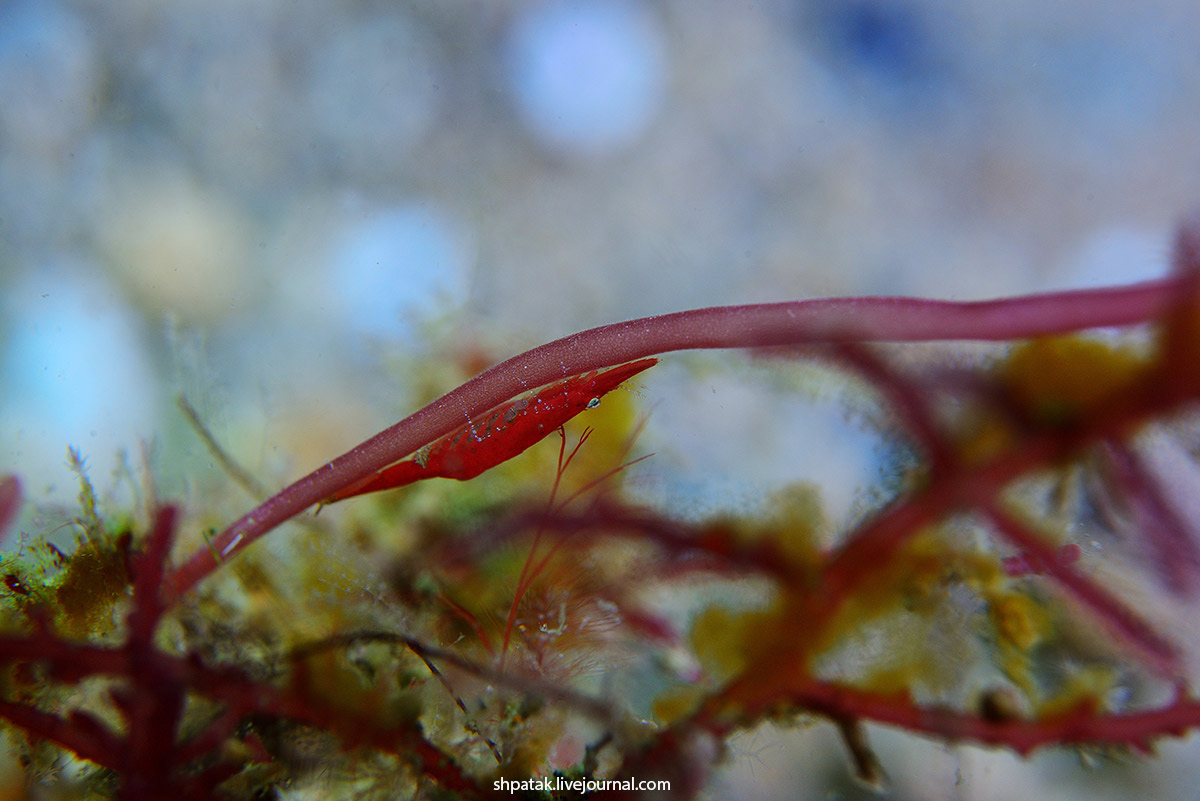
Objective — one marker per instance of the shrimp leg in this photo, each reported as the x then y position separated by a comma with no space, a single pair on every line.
499,434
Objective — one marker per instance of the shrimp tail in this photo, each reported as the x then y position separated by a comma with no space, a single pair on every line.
397,475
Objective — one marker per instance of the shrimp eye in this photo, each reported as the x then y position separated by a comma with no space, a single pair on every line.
593,403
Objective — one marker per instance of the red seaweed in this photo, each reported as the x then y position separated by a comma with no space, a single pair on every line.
1050,406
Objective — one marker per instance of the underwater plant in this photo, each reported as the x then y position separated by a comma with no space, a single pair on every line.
430,645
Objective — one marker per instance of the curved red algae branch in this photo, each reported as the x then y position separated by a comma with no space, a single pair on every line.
149,758
1123,621
1174,550
592,706
692,542
906,400
878,540
147,581
80,734
874,545
880,319
68,660
1084,723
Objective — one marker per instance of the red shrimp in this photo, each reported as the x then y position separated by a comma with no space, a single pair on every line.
500,434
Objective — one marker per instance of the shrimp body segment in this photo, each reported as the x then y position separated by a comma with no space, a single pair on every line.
499,434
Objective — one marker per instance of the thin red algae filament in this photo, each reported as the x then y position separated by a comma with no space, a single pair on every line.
805,322
152,688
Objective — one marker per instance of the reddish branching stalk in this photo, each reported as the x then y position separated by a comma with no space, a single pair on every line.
1122,621
750,326
1083,723
780,673
816,588
149,757
1173,548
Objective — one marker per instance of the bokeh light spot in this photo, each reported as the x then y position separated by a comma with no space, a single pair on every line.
395,266
588,76
75,372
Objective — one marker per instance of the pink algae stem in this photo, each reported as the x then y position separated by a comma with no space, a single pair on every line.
1086,722
864,319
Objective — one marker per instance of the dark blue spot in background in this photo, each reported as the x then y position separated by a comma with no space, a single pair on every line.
884,40
890,46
